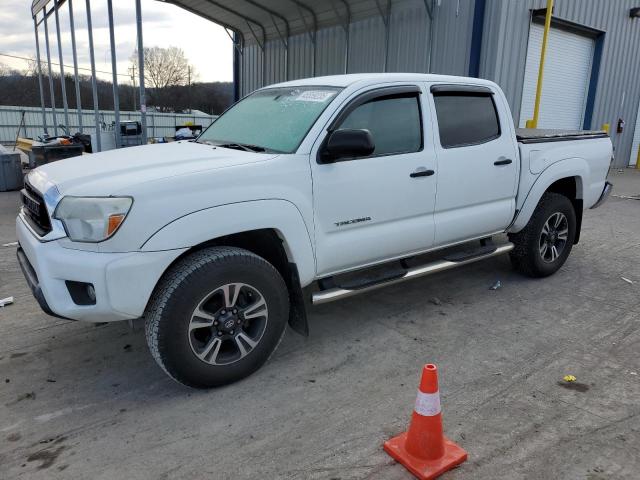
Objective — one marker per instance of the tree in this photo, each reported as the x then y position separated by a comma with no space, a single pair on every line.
164,67
32,66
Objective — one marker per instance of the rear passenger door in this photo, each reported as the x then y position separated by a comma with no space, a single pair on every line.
477,162
374,208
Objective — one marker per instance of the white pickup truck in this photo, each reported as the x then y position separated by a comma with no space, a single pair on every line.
308,183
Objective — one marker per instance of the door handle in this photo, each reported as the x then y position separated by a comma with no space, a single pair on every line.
506,161
421,173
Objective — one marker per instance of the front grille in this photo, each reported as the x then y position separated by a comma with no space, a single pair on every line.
35,210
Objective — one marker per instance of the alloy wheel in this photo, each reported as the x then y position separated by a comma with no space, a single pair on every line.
228,324
553,238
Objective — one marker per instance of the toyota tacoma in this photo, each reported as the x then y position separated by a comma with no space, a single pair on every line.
294,196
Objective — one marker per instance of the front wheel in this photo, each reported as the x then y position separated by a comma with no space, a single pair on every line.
216,316
543,246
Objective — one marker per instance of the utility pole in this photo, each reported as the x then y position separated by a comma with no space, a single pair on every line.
132,74
189,88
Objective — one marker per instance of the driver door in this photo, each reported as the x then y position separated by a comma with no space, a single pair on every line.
379,207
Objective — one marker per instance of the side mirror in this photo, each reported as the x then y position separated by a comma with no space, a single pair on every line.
347,143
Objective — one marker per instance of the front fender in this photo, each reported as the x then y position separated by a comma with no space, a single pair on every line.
211,223
570,167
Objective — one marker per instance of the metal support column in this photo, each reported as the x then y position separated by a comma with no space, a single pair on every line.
94,85
143,101
75,65
114,72
51,91
238,57
44,112
63,85
237,60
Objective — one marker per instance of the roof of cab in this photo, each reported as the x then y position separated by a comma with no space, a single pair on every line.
373,78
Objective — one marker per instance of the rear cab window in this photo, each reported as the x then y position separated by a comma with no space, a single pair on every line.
466,115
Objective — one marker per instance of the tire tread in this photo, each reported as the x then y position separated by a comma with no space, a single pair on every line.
174,278
521,256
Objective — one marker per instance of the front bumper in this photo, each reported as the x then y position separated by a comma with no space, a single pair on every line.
606,191
123,282
32,280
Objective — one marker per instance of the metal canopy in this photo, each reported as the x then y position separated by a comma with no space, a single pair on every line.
38,5
257,21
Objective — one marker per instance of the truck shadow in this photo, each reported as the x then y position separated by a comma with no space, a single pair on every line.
111,362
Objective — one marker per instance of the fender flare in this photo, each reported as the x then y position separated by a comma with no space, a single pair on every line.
570,167
211,223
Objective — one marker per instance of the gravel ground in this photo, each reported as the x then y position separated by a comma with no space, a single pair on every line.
84,401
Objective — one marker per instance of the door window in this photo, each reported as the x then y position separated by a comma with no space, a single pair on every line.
394,122
466,118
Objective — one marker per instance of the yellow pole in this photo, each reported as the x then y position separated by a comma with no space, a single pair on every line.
638,159
547,25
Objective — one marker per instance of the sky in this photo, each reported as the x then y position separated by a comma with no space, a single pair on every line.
206,45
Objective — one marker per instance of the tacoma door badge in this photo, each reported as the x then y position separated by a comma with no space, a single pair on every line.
352,221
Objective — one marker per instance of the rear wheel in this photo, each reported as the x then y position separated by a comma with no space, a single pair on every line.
543,246
216,316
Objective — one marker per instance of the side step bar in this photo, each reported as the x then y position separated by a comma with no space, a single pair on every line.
338,293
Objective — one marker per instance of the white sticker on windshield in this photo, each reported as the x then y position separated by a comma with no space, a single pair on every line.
320,96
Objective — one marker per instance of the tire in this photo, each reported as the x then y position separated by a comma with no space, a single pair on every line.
530,256
241,292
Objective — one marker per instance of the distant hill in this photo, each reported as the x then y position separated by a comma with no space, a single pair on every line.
212,98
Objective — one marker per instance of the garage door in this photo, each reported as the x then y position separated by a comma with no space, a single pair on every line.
567,70
636,141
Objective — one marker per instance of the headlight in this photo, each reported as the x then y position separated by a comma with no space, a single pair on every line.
89,219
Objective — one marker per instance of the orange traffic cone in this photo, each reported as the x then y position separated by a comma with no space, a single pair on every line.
423,449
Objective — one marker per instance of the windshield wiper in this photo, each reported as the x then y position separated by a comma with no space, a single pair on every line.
242,146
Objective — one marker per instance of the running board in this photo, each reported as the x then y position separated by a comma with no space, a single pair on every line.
338,293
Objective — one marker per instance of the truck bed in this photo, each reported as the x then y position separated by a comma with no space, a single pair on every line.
535,135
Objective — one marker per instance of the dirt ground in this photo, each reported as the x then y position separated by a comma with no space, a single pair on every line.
84,401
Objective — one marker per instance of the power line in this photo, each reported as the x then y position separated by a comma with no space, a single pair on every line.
57,64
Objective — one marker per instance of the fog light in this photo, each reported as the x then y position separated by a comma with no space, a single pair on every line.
82,293
91,293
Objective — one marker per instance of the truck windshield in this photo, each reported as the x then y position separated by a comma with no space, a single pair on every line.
270,120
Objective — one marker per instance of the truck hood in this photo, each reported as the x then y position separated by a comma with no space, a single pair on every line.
116,171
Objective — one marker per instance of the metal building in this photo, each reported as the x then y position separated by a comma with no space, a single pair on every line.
592,72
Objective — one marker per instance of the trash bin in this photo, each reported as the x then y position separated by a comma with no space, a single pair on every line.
43,154
11,177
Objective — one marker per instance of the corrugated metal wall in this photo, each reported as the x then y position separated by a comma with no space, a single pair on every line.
453,25
504,47
158,124
408,49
